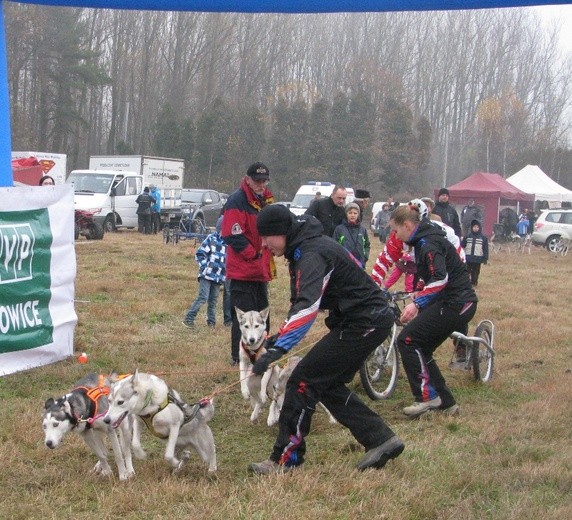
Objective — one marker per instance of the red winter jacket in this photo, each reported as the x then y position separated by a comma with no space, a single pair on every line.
245,258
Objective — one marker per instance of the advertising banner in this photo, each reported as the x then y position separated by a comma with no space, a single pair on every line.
37,275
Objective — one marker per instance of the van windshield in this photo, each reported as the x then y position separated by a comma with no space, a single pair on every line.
302,201
89,183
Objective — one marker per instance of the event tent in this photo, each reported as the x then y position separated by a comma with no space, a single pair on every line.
531,179
491,192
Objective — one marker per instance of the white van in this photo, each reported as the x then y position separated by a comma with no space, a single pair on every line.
111,194
307,192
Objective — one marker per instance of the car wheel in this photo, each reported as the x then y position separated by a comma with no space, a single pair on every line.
553,243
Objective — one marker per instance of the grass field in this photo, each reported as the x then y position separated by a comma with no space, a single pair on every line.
507,456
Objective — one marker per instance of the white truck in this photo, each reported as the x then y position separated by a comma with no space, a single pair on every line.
112,183
307,192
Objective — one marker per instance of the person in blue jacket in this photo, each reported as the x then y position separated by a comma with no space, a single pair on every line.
155,209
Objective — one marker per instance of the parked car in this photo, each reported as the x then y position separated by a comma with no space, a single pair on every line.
551,226
203,206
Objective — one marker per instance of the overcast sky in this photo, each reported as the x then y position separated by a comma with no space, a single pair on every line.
563,15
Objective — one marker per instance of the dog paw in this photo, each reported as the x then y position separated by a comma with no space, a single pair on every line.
127,475
178,466
97,468
246,395
139,453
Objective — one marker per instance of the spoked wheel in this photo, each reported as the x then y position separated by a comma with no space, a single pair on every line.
379,372
482,357
198,226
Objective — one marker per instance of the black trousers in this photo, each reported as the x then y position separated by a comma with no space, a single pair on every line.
155,222
322,376
421,337
247,296
474,272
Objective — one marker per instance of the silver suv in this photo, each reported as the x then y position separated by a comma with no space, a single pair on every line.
551,226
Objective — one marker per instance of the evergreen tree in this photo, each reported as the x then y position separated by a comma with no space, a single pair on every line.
167,133
317,149
212,138
187,148
361,135
340,156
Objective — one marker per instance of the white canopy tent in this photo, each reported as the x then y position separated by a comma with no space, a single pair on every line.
531,179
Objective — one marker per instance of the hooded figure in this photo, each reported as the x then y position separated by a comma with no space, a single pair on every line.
352,234
476,248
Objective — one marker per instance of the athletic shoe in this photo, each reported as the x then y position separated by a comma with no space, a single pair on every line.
417,409
188,324
268,467
378,457
450,410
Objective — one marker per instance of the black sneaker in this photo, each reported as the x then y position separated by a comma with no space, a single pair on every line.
188,324
378,457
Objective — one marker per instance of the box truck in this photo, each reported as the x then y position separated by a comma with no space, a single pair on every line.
112,183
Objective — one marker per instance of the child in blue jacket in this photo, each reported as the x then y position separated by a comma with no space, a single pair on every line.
211,257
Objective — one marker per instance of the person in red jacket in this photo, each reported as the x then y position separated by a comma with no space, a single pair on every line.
249,266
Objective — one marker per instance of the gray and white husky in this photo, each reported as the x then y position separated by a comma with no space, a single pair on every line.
280,391
253,332
167,416
82,411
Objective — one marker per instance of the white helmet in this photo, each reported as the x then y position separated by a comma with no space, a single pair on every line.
420,206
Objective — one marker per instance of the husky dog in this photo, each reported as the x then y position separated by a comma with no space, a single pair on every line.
280,390
166,415
253,332
82,411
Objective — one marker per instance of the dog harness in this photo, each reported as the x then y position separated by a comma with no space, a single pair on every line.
187,416
94,394
253,355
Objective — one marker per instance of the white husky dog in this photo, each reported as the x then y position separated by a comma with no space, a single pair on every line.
82,411
148,397
280,391
253,332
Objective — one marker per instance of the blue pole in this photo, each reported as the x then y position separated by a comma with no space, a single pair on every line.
5,146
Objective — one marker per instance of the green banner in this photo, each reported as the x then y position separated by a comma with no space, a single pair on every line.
25,281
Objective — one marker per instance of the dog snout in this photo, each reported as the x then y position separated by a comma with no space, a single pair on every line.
251,341
107,419
50,444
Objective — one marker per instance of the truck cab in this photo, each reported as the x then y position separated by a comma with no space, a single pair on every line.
111,194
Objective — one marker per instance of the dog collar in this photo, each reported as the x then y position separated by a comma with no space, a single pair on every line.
94,394
253,355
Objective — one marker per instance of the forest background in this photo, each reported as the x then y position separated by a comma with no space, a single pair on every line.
397,103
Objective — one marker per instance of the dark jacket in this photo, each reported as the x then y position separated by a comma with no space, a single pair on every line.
469,214
476,245
444,274
246,260
448,215
144,202
324,276
354,239
327,213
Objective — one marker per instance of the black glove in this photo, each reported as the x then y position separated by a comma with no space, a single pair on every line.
263,362
270,341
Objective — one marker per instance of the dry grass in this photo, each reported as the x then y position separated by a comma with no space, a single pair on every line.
509,455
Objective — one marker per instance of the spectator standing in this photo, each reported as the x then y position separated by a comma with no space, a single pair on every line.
362,198
249,267
330,210
469,213
382,222
211,257
476,246
523,226
144,202
318,195
323,276
226,307
447,212
352,235
446,303
155,209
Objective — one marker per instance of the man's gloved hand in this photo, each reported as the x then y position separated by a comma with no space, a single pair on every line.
263,362
270,341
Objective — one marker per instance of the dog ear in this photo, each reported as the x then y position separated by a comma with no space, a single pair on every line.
239,313
264,313
67,407
49,402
